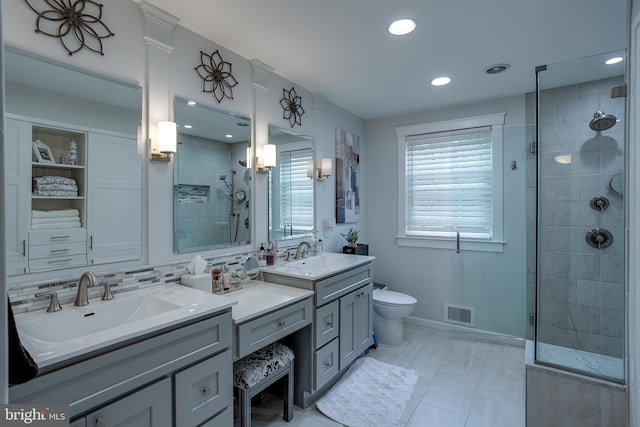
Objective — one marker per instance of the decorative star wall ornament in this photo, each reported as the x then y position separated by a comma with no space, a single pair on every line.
292,106
216,76
78,24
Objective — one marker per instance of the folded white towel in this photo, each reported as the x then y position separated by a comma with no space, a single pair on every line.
55,214
75,224
53,180
54,193
75,218
54,187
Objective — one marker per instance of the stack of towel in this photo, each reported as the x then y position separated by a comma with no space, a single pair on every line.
57,186
66,218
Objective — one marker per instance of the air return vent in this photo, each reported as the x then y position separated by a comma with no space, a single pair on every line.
459,314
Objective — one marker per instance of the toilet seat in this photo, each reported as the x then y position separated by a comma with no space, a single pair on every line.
384,297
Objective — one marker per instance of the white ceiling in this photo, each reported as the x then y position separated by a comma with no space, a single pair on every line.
341,48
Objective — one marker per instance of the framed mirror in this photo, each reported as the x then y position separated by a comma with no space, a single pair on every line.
291,186
212,185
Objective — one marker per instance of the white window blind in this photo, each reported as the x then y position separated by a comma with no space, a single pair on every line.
296,202
449,183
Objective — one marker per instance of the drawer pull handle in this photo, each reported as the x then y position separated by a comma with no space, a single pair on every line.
60,261
329,324
206,391
281,324
24,248
60,237
53,251
101,422
328,364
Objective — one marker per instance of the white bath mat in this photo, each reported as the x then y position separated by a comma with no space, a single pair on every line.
371,393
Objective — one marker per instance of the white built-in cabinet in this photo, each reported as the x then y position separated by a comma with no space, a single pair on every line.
109,197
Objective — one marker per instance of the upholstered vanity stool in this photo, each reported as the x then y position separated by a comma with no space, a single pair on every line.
259,370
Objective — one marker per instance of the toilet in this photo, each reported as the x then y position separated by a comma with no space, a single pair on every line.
389,308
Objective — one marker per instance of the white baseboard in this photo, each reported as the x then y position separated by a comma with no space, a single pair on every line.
469,332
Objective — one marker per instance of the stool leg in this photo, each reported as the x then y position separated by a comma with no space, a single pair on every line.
245,408
288,395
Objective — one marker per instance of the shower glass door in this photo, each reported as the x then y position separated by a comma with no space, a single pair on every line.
580,254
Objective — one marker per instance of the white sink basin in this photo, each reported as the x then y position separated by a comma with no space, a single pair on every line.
51,338
69,323
318,266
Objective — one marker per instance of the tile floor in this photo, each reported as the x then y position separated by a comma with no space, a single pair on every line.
463,381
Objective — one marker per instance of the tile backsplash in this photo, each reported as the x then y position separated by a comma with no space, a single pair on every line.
23,298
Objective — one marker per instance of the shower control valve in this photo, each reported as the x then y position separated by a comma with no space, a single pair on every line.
599,203
599,238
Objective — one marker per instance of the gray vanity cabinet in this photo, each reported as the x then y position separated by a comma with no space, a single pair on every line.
342,327
356,324
150,406
178,377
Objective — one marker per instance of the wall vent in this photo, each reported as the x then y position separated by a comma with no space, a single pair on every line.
460,314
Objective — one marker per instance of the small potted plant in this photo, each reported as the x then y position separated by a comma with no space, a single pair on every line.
351,237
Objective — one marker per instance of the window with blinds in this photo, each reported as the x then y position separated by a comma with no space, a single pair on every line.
449,179
296,198
450,182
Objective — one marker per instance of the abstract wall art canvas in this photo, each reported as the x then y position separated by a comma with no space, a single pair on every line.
347,177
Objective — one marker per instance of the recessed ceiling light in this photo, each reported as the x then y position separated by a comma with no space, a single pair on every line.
188,126
441,81
614,60
191,103
497,68
228,135
403,26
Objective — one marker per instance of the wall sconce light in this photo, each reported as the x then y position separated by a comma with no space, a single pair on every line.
321,173
165,144
268,160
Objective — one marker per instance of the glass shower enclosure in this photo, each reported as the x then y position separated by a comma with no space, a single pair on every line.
580,221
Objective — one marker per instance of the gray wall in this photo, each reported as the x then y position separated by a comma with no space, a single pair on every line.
493,283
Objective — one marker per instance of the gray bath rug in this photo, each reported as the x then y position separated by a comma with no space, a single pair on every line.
371,393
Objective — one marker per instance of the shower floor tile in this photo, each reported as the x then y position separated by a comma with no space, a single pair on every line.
598,364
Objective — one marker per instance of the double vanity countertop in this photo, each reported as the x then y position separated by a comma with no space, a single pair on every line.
76,332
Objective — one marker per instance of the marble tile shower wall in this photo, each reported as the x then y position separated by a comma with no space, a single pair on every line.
23,298
202,162
581,288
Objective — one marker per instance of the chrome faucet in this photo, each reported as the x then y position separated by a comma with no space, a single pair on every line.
86,280
300,253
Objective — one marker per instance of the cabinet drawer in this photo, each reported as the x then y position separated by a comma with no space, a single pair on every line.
44,237
57,262
224,418
326,323
57,250
334,287
203,390
257,333
326,363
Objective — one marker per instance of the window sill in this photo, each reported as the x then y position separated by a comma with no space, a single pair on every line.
448,243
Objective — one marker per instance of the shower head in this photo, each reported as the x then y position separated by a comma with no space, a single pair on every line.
242,163
602,121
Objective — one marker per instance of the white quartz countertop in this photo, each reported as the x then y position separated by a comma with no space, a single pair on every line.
52,338
257,298
318,267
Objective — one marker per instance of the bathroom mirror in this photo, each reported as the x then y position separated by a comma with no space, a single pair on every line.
291,189
212,191
45,89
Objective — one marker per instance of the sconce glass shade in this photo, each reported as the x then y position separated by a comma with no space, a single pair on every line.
249,157
326,169
269,155
167,137
310,168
